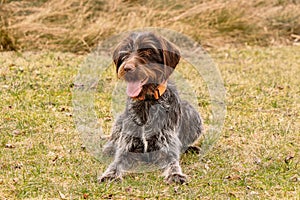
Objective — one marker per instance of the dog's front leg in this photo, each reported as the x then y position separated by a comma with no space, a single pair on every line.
112,173
109,149
173,172
116,168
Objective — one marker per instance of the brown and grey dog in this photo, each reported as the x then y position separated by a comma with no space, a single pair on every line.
156,125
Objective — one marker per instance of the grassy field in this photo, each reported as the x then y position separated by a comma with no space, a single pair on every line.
255,45
257,156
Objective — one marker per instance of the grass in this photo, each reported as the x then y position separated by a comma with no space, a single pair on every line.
257,156
41,152
78,25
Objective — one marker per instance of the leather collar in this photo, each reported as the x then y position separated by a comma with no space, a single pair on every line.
159,91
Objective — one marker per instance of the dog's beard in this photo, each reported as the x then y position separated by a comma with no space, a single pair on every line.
144,79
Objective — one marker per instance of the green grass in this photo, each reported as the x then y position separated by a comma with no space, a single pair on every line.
257,156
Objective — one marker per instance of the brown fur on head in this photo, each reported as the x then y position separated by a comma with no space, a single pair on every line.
145,61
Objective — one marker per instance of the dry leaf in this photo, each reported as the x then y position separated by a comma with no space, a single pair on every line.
85,196
10,146
128,189
233,177
295,178
62,196
289,157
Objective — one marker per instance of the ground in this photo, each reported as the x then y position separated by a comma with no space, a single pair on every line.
256,157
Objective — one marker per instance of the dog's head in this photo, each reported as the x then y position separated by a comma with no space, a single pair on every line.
145,61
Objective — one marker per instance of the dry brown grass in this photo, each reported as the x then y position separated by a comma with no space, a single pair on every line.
78,25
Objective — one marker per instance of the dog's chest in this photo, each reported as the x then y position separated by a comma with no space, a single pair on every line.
148,129
146,138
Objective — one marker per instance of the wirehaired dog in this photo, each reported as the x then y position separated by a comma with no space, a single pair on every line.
156,125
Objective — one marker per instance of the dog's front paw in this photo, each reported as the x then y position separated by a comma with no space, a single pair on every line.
176,178
193,149
109,177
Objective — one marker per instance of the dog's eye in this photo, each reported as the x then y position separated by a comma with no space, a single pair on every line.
123,57
147,52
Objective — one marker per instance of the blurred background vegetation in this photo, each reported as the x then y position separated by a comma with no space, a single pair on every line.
78,25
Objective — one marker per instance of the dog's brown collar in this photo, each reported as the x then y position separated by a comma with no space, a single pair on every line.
159,91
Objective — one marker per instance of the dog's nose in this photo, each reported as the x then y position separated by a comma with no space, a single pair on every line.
129,67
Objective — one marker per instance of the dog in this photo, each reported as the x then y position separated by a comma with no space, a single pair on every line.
156,126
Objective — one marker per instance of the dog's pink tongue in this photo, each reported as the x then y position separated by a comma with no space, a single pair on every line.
134,88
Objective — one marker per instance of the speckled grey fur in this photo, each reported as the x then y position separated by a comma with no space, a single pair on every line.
153,131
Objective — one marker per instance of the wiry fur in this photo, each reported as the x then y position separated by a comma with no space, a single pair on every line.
153,130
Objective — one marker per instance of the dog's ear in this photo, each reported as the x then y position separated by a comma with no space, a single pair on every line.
171,56
117,57
123,49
